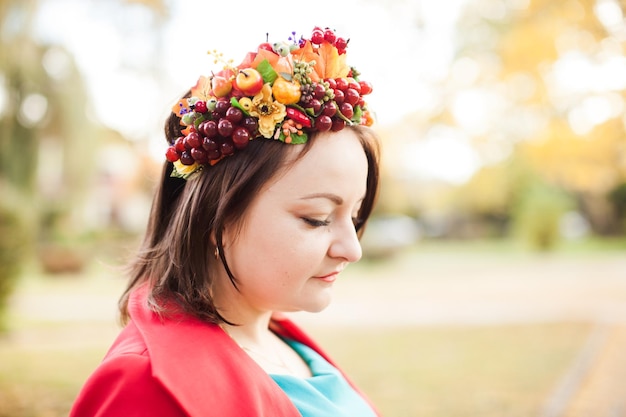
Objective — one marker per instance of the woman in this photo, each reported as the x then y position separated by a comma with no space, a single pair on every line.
271,174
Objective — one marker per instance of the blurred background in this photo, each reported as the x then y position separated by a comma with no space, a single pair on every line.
494,275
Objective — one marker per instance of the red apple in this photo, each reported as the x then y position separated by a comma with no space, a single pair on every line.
249,81
221,86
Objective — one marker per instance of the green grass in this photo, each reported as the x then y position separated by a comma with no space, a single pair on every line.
489,371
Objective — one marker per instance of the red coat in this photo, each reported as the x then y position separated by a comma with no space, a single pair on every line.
175,367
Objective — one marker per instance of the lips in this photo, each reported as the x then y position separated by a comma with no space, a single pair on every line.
330,277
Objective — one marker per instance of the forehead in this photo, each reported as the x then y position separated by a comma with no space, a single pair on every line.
335,162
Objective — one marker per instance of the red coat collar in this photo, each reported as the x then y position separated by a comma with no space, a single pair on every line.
204,369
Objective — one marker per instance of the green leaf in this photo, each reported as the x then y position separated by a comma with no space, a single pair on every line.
296,139
235,103
266,71
358,113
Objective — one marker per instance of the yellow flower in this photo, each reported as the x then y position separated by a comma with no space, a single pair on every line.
269,111
185,170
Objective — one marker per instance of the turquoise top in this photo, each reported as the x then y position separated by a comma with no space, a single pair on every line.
326,393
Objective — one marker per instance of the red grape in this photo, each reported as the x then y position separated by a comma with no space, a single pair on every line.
234,115
339,96
179,144
347,110
186,158
200,106
355,86
222,106
332,84
338,124
209,144
199,155
323,123
251,124
351,96
192,140
227,148
208,128
319,91
225,127
330,109
342,84
241,137
316,105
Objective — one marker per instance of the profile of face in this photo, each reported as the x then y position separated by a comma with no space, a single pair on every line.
299,232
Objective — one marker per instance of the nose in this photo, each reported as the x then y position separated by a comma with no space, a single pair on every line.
345,244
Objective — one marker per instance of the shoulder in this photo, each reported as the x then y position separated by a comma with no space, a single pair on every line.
123,384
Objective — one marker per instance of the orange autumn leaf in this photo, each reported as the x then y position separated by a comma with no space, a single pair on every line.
334,64
202,89
262,55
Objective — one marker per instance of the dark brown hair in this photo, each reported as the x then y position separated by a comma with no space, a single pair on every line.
177,248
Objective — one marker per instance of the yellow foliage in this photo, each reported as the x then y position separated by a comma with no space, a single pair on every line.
592,163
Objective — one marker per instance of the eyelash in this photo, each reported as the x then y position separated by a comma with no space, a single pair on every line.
315,222
322,223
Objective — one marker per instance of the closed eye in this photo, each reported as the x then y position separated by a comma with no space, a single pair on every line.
315,222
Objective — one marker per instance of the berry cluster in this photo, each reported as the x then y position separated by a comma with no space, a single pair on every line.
320,35
225,129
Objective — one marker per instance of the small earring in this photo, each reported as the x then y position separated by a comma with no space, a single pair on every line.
217,252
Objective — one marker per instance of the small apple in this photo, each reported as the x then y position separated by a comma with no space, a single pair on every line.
221,86
249,81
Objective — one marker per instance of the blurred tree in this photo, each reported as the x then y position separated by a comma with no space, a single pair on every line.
545,80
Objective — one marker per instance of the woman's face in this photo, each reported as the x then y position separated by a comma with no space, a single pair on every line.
299,233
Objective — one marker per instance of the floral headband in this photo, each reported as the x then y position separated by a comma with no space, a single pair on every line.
283,91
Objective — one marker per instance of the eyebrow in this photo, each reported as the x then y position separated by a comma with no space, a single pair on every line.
329,196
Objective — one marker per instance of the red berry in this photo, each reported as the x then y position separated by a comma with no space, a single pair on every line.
347,110
341,43
366,87
351,96
225,127
317,37
179,144
329,36
172,154
200,106
323,123
338,124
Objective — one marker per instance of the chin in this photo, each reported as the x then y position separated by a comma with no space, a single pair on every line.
317,307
